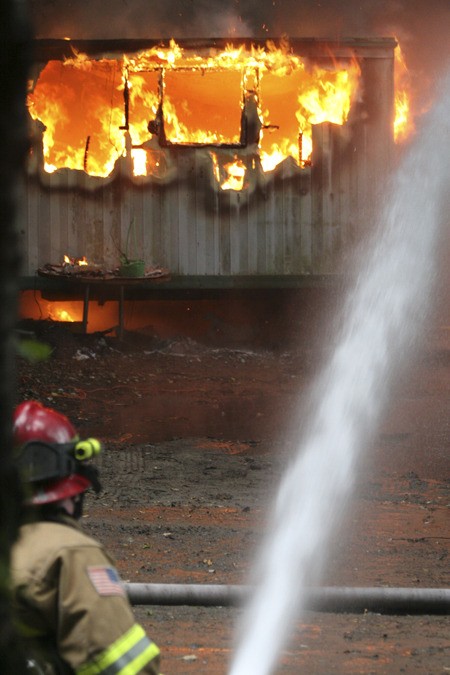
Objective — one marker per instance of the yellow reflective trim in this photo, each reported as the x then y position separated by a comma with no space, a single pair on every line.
141,660
124,657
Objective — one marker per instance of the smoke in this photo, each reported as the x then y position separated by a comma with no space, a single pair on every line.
422,26
424,20
137,19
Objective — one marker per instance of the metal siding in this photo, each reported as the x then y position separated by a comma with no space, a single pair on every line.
202,226
276,231
44,230
165,231
293,226
225,209
320,190
252,229
260,213
151,245
29,226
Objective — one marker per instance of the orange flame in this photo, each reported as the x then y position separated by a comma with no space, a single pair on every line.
403,123
58,312
75,261
326,97
83,104
236,175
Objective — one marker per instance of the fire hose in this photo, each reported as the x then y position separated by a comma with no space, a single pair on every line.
338,599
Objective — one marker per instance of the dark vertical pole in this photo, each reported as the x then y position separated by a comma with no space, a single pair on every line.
121,300
86,308
15,60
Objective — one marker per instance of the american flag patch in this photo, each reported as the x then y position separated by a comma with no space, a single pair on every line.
106,580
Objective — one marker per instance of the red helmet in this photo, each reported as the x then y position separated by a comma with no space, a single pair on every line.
32,421
48,454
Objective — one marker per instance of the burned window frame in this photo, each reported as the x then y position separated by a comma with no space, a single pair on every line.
157,126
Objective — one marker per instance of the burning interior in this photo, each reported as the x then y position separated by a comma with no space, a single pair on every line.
97,110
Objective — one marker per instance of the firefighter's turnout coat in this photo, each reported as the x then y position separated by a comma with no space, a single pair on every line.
71,606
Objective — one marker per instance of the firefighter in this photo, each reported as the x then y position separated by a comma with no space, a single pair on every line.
68,599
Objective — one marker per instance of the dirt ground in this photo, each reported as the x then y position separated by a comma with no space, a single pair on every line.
196,437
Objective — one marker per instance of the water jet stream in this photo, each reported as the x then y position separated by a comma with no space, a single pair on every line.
382,319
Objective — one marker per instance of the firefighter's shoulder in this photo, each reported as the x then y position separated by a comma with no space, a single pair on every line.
41,543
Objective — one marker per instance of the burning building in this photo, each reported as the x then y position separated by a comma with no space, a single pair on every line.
256,158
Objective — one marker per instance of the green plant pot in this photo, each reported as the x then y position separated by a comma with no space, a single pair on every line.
132,268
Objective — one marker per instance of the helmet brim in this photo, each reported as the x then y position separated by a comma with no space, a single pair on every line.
62,488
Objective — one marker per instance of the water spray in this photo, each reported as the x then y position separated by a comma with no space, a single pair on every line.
382,319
